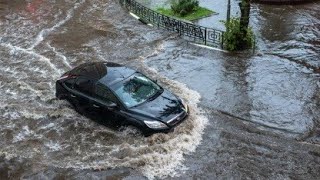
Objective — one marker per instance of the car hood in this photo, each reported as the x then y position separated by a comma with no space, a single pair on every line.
163,108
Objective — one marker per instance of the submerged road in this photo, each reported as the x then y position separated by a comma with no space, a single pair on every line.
254,116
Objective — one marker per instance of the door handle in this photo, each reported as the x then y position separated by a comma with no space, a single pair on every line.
72,95
96,106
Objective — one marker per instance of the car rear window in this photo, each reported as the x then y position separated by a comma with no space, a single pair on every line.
94,71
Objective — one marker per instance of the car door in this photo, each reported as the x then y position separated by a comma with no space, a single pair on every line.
80,94
103,97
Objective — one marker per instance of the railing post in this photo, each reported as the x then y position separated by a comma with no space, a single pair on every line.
205,36
254,44
180,28
222,40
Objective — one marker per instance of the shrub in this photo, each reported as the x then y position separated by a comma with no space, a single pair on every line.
234,38
184,7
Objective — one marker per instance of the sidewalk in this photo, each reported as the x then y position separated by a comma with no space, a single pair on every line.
218,6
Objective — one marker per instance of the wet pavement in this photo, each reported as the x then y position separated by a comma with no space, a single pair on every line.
254,115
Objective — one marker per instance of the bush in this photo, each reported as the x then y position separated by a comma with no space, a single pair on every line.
184,7
235,39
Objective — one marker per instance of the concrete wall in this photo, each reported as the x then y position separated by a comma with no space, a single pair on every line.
283,1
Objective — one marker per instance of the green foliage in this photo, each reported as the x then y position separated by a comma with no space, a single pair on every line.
199,13
235,39
184,7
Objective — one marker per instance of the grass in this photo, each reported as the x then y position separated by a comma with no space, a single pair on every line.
199,13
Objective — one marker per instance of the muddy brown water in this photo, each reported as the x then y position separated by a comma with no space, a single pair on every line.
253,116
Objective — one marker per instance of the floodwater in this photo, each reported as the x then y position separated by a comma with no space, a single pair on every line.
253,115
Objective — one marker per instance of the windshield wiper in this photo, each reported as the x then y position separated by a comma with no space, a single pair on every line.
155,95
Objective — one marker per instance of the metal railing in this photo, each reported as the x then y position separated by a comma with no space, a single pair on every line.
198,34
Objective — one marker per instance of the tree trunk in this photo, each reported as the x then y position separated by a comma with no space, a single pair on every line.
244,22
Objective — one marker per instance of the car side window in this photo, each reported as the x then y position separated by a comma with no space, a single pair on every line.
83,85
70,82
103,93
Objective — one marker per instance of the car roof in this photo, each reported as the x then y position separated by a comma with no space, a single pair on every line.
106,73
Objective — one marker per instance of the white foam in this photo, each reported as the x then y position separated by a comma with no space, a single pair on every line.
53,146
13,93
32,114
185,142
11,115
42,58
22,85
23,134
63,57
49,126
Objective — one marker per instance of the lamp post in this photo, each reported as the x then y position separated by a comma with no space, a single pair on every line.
228,11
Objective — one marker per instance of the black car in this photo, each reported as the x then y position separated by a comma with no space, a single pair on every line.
121,96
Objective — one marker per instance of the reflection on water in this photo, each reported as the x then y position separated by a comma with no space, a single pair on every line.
236,71
292,33
279,21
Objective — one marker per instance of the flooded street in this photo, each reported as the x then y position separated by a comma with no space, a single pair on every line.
252,116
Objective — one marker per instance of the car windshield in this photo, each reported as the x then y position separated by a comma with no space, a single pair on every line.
136,90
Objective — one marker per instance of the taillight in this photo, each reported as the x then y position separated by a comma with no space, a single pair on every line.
66,76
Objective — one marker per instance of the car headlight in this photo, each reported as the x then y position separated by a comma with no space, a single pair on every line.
185,106
155,124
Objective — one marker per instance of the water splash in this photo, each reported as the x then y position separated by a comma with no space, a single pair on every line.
47,61
59,54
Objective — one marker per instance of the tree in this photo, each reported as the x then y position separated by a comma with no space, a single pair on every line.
244,22
184,7
239,35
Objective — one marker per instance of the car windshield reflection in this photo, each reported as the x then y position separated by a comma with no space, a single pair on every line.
136,89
